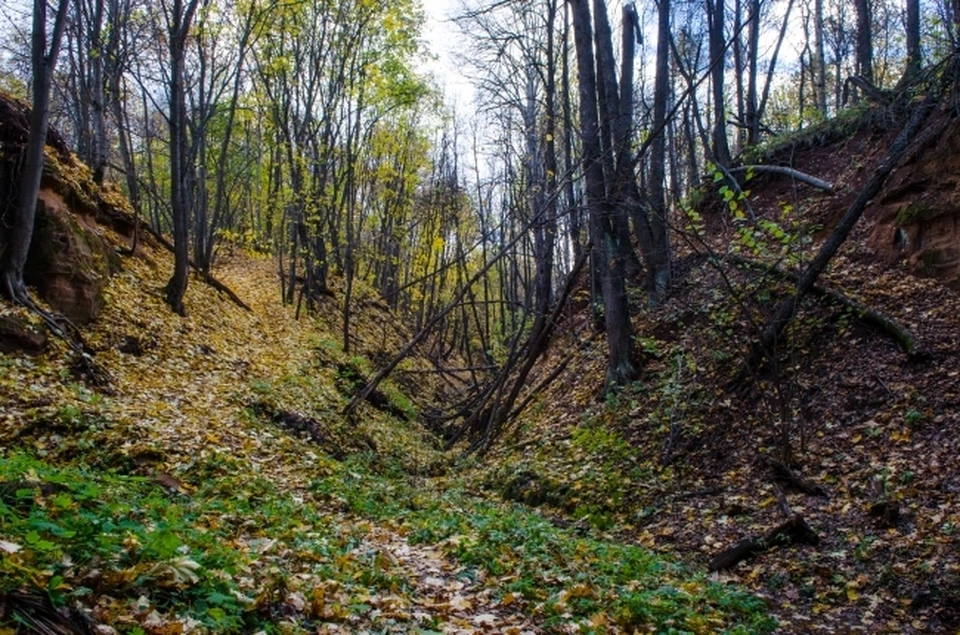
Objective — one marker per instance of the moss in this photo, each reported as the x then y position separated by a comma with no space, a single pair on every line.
913,213
846,124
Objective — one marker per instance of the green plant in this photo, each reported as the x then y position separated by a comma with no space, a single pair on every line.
914,417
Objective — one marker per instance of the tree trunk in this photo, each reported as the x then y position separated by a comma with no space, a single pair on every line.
660,265
819,60
573,210
613,143
44,62
913,41
721,147
620,367
864,40
179,26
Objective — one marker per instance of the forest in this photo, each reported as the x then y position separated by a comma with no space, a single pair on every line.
656,331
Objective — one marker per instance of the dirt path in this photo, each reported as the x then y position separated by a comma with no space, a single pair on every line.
445,597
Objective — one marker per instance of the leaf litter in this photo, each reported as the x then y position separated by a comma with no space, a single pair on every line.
177,504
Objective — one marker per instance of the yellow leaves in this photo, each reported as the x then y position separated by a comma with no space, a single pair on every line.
901,436
693,587
510,598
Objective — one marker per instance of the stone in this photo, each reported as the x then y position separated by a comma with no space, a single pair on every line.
69,264
16,335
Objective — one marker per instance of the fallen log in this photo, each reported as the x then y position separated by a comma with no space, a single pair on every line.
783,474
820,184
869,316
793,531
788,309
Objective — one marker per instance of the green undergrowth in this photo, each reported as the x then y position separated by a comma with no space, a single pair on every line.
226,551
562,575
224,557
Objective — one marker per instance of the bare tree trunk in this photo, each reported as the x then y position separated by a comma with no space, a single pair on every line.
819,59
179,19
620,367
721,147
864,40
612,143
44,61
913,41
752,119
574,213
660,265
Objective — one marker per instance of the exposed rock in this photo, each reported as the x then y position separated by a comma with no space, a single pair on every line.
71,253
69,263
920,219
16,335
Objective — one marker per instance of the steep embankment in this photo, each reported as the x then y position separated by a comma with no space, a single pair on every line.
689,458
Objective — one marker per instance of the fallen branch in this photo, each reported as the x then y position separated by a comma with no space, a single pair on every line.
205,276
502,411
793,531
224,289
870,91
785,171
872,317
788,309
540,387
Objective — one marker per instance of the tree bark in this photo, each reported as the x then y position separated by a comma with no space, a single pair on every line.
913,41
620,367
721,147
660,265
819,60
864,40
44,62
180,18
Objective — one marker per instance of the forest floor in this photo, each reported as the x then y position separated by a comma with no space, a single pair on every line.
207,482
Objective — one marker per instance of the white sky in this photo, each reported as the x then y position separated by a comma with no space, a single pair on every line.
443,38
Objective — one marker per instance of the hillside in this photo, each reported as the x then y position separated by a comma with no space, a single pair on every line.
689,459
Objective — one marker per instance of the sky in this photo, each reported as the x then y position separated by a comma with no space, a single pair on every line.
443,37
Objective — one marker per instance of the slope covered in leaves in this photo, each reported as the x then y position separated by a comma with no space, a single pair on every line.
687,458
203,480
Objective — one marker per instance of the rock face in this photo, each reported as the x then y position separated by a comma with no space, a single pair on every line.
69,263
70,259
919,221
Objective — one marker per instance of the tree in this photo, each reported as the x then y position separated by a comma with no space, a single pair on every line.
659,261
620,368
914,60
721,147
864,39
179,18
44,61
819,60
